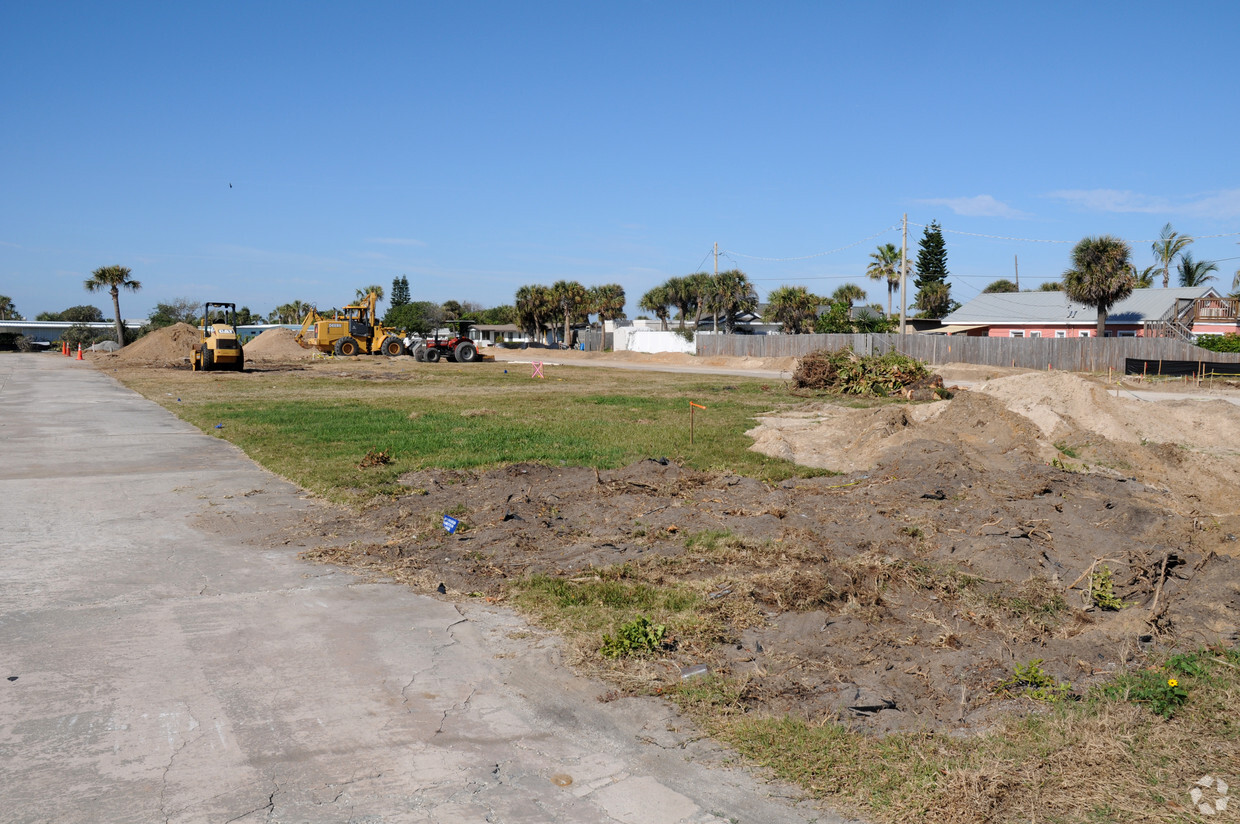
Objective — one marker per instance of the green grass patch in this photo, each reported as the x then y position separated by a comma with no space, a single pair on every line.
316,428
604,611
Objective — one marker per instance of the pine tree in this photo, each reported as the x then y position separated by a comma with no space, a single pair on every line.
400,291
933,290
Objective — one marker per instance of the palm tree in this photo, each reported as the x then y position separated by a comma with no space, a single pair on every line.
1100,275
794,307
569,297
656,303
1167,248
113,278
885,264
733,294
607,301
7,310
702,285
849,293
1001,286
366,290
533,307
1145,278
681,293
1195,272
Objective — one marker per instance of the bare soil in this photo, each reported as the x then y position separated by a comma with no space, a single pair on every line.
958,542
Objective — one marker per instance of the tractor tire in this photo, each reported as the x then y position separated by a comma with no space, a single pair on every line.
432,355
347,347
392,347
466,352
208,359
240,364
419,353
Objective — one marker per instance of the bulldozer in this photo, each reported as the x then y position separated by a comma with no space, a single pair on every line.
354,330
218,346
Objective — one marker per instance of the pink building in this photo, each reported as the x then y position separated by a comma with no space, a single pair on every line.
1180,313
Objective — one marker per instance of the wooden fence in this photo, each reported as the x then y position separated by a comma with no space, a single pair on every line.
1072,354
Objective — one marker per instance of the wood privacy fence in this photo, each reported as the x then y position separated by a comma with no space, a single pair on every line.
1071,354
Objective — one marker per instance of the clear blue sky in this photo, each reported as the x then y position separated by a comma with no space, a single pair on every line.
476,147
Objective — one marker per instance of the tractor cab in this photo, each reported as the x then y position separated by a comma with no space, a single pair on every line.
457,347
218,345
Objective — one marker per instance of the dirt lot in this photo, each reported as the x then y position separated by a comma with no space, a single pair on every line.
962,537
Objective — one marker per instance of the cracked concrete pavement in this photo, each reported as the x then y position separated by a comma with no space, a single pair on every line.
157,663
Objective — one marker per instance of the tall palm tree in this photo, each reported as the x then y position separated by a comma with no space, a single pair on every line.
701,284
656,303
1167,248
607,301
1100,275
533,308
794,308
1195,272
885,264
569,298
733,294
113,278
366,290
682,294
7,310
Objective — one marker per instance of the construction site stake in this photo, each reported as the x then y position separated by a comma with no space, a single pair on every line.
693,406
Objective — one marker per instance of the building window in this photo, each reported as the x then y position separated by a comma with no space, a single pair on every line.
1131,333
1083,334
1035,334
1061,333
1016,333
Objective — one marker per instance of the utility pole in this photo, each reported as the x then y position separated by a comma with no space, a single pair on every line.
1016,269
714,312
904,278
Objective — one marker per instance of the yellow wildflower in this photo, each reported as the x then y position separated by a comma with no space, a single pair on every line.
1171,682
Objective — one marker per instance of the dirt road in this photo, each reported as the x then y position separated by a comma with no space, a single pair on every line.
161,665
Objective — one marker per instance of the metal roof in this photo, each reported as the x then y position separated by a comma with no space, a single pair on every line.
1055,308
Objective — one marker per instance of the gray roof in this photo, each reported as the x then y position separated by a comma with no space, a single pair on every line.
1055,308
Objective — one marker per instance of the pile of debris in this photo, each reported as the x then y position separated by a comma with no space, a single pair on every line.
847,373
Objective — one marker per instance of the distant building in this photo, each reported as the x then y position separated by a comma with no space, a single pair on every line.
1179,313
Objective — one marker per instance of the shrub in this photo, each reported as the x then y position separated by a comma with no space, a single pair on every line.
1229,342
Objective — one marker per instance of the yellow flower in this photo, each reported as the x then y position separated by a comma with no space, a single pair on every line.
1171,682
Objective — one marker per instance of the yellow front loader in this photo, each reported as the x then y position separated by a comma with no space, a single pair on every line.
218,346
353,330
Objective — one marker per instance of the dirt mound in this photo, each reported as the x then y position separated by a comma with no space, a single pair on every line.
898,600
1187,447
170,346
275,345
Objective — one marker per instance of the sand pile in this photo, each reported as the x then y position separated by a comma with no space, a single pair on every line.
170,346
1052,418
276,344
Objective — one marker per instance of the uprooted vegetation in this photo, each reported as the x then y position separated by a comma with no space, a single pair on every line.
845,372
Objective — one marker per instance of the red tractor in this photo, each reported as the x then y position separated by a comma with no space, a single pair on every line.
460,347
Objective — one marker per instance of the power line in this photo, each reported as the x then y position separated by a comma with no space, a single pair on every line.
1044,240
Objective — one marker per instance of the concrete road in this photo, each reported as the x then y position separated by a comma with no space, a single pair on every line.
157,664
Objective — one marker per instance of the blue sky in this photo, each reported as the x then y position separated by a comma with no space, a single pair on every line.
476,147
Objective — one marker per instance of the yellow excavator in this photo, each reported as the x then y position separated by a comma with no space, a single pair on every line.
218,346
354,330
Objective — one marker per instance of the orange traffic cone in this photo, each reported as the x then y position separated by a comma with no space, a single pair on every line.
64,348
79,357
